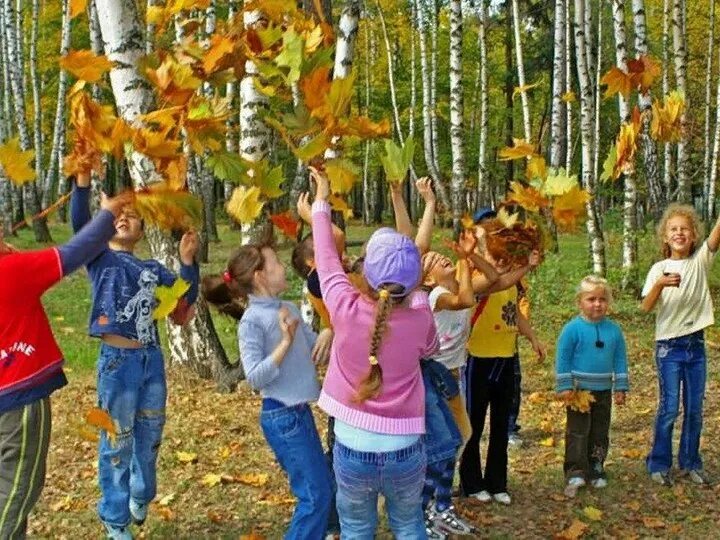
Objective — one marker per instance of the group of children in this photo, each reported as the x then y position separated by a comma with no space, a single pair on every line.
417,348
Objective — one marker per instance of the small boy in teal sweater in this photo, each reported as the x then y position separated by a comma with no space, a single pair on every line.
590,356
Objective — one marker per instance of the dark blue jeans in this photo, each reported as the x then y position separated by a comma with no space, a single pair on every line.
291,433
681,366
398,475
131,387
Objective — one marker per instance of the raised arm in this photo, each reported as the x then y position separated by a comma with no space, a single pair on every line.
402,219
80,202
510,279
423,238
713,239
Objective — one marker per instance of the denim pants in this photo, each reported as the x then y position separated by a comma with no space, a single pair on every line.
293,437
398,475
131,388
442,437
681,366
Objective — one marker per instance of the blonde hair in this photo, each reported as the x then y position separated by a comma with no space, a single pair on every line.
589,283
686,211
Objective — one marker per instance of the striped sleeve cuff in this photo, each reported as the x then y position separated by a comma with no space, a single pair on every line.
321,207
563,381
621,382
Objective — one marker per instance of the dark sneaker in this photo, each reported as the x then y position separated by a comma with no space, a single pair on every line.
451,523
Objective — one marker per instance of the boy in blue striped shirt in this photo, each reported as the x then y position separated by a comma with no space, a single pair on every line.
590,356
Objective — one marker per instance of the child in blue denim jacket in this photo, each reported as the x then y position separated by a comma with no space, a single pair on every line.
678,287
131,383
279,353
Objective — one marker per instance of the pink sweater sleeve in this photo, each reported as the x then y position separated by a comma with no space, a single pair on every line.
334,283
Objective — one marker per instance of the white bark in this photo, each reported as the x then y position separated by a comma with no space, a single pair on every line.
433,6
231,141
391,77
413,73
456,112
366,159
712,184
346,35
680,61
667,150
556,116
597,246
521,71
708,99
568,89
598,99
37,104
483,190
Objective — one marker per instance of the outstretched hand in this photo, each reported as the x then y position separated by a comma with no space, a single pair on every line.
116,204
322,184
424,187
304,209
189,244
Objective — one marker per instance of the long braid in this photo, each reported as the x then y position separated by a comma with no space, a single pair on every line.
371,385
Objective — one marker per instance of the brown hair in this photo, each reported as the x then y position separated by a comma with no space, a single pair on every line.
230,297
371,385
303,251
686,211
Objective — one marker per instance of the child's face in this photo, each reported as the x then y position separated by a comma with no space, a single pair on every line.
128,227
439,269
272,276
594,304
680,235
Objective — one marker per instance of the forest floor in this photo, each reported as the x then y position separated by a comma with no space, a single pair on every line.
218,479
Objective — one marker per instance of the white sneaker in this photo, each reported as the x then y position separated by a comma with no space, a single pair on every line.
482,496
514,440
502,498
117,533
699,476
573,485
599,483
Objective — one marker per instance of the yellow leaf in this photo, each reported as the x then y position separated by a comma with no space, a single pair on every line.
168,298
211,480
569,208
77,7
244,204
665,125
522,89
536,168
166,500
617,81
86,65
592,513
253,479
580,400
508,220
167,208
633,453
342,174
16,163
549,442
576,529
653,522
559,182
156,144
625,146
569,97
520,149
527,197
176,83
186,457
340,205
467,222
101,419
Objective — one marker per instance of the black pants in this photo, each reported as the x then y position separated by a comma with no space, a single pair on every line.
586,438
489,383
513,426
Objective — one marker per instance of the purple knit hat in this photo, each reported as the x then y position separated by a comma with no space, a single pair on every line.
392,258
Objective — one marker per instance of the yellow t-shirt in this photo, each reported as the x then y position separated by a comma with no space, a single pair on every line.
494,332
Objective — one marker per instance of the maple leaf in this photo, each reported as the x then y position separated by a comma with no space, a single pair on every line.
175,83
508,220
569,207
519,149
361,126
289,226
548,442
527,197
313,148
291,55
340,205
275,10
569,97
337,101
83,159
167,208
665,125
156,144
77,7
220,55
396,160
205,123
101,419
314,38
227,166
244,204
522,89
576,529
609,164
592,513
168,298
579,400
253,479
536,168
86,65
174,173
267,180
625,146
558,182
643,72
211,480
342,174
467,222
16,162
617,80
183,457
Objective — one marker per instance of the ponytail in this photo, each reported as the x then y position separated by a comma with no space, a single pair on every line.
217,292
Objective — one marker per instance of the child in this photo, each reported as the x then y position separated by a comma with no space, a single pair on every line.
374,386
513,427
278,353
678,286
31,361
590,356
131,372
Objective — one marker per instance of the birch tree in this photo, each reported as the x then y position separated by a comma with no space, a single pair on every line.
597,245
484,189
527,130
456,112
712,184
568,89
680,61
708,100
556,116
667,150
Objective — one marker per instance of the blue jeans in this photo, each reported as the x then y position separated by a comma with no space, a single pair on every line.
442,436
291,433
131,388
681,364
398,475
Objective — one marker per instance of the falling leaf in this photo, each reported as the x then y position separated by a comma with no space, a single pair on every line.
211,480
185,457
519,90
643,71
77,7
287,224
313,148
576,530
219,54
559,182
397,160
342,174
253,479
175,83
267,180
86,65
168,298
665,125
167,208
536,168
101,419
625,146
16,162
227,166
527,197
592,513
569,97
617,80
244,204
609,164
291,55
520,149
508,220
467,222
156,144
340,205
549,442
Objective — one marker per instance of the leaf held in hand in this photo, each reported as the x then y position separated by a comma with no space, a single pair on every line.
167,208
287,224
168,298
396,161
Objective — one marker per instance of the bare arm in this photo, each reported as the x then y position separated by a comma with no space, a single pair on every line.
465,298
481,283
526,330
402,219
423,239
509,279
713,239
672,280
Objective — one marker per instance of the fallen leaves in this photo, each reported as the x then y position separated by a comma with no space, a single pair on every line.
592,513
576,530
101,419
185,457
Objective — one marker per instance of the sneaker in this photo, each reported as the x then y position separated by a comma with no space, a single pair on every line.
699,476
138,512
502,498
117,533
514,440
663,478
482,496
451,523
432,529
573,485
599,483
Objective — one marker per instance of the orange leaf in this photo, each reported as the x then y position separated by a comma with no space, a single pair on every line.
617,81
315,87
156,144
576,529
289,226
665,126
167,208
77,7
643,72
626,144
86,65
220,54
569,207
520,149
253,479
101,419
16,162
176,83
527,197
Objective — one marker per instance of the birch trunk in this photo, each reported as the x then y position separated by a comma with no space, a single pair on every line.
597,246
568,89
521,72
556,117
37,104
195,345
368,96
433,82
413,73
231,141
680,61
31,202
456,113
6,102
656,194
667,150
711,209
708,98
391,77
484,189
598,103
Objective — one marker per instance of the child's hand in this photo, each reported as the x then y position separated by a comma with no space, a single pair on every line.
670,279
465,245
619,398
565,395
322,185
321,350
82,180
116,204
396,188
304,209
288,325
189,244
424,187
539,349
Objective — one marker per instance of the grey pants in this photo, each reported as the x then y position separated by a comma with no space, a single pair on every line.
587,438
24,439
